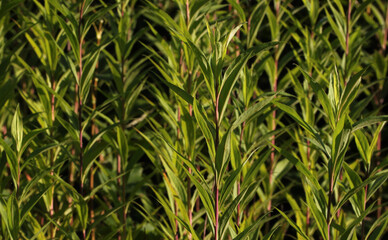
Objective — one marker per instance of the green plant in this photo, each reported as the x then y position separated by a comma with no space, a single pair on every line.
193,119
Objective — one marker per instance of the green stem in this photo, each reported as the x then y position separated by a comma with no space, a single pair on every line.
80,104
328,215
348,27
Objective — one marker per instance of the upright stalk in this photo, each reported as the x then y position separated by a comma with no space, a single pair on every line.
216,142
384,46
308,208
331,195
72,166
241,177
52,154
380,100
190,213
80,103
242,131
348,27
176,221
379,199
216,211
120,162
175,202
273,141
365,200
80,97
94,131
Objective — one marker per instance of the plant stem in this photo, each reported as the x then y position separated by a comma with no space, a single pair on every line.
384,46
273,141
52,155
121,162
328,215
190,213
80,104
176,220
380,101
348,27
119,184
241,177
217,212
379,199
175,202
308,209
204,228
363,220
94,131
216,142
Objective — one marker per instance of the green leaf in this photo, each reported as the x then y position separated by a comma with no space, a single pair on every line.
231,75
90,155
203,123
354,190
12,161
355,180
87,74
32,201
350,92
17,129
362,144
300,167
250,229
7,6
182,93
378,228
368,121
293,224
350,228
252,112
322,97
317,209
222,156
239,10
13,216
372,145
71,36
292,113
83,213
232,207
97,15
337,30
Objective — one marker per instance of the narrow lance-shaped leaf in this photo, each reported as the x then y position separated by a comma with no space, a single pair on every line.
204,126
350,92
17,129
373,143
232,207
231,75
292,223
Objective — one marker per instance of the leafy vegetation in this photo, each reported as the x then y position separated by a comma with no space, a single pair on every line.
193,119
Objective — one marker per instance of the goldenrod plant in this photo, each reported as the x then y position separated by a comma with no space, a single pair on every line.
193,119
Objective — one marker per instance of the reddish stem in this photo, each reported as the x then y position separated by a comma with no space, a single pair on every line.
328,215
52,155
217,212
273,141
80,105
348,27
176,220
386,31
308,209
204,228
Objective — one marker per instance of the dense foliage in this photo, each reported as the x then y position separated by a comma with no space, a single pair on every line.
193,119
